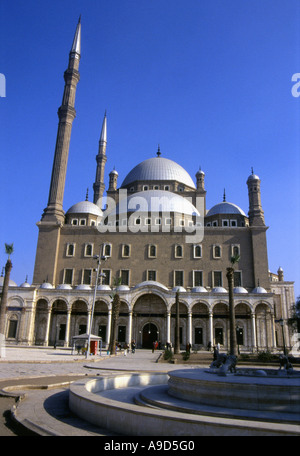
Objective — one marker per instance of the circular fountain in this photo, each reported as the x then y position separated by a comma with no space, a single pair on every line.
221,400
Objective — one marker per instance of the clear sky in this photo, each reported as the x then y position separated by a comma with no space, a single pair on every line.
210,81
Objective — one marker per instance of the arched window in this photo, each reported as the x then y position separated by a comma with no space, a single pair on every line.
217,251
107,250
197,251
152,251
126,250
88,250
178,251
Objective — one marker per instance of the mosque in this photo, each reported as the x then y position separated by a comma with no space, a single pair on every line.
153,237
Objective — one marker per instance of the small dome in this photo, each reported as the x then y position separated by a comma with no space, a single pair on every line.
219,290
158,169
64,286
123,288
240,290
253,177
148,283
25,285
46,285
225,208
10,284
259,290
199,290
114,172
85,207
83,287
180,289
103,288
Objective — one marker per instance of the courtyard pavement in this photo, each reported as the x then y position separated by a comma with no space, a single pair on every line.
41,377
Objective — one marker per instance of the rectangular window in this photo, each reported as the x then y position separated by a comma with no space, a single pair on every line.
87,276
151,275
217,278
197,278
237,279
178,278
125,250
124,277
107,250
68,276
106,280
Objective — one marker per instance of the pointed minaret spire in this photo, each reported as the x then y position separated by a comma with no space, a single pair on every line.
76,46
66,114
101,159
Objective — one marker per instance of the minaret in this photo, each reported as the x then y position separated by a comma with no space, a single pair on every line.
66,114
256,213
101,158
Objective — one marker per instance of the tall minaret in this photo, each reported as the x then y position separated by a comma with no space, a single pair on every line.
66,114
101,158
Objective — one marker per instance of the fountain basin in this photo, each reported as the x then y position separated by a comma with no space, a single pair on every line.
256,391
114,403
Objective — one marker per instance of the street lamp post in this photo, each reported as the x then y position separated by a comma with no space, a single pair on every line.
99,258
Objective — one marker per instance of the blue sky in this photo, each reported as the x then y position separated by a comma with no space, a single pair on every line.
208,81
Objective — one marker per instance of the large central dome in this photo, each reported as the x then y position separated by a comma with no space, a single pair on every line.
158,169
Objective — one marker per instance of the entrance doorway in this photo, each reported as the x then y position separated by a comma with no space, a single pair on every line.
150,335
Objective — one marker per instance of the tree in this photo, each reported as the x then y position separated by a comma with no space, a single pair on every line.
230,277
9,248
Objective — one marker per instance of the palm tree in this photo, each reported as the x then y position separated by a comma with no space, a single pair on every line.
230,277
116,303
9,248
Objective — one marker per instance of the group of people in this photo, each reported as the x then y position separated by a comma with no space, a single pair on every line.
126,347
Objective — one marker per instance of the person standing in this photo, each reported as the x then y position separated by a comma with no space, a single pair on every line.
133,346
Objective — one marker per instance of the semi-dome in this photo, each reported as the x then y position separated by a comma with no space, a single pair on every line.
123,288
83,287
219,290
85,207
64,286
150,283
156,201
103,288
25,285
199,290
158,169
179,289
46,286
225,208
259,290
240,290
